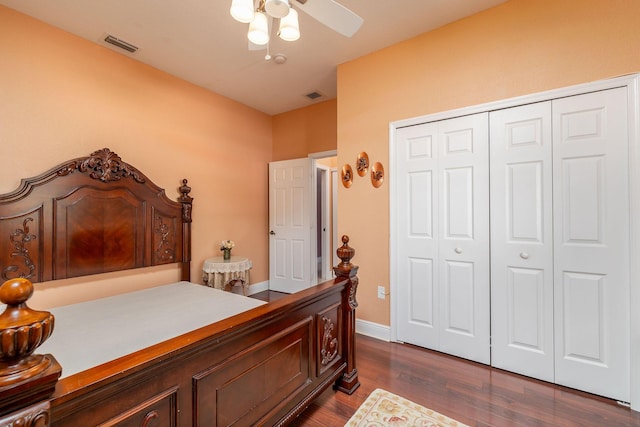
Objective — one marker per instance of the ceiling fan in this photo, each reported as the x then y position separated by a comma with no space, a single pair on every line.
259,14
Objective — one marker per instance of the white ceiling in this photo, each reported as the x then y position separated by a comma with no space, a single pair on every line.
198,41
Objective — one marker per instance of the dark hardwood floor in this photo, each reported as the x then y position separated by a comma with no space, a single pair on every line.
471,393
468,392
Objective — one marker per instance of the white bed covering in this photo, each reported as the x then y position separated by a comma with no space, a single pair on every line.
94,332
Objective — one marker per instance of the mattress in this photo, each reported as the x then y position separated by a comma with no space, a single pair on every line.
91,333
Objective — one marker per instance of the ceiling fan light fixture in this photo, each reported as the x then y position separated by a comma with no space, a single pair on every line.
259,29
289,29
277,8
242,10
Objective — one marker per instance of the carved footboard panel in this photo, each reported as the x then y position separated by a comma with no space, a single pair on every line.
261,367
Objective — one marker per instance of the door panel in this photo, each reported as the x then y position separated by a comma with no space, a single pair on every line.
583,308
524,192
458,203
591,222
458,314
582,209
421,290
525,311
521,241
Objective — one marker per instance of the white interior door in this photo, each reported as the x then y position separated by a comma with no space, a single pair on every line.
522,240
443,238
290,260
591,234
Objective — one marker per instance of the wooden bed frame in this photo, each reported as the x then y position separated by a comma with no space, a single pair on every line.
99,214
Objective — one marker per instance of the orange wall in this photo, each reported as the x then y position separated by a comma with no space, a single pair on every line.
520,47
62,97
311,129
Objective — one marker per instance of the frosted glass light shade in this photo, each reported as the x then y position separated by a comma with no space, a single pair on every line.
259,29
277,8
289,29
242,10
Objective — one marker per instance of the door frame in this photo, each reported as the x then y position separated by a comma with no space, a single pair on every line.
631,83
314,208
324,212
334,218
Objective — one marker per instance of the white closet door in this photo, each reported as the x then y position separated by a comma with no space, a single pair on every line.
417,228
522,241
463,166
443,238
591,233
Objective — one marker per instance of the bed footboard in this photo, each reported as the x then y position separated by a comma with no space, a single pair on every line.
260,367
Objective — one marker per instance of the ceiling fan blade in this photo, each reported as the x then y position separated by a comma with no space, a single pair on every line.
332,14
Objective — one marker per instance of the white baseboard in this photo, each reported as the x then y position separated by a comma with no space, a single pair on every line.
373,330
254,288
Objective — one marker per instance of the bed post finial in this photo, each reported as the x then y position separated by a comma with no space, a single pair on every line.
187,205
24,377
186,200
348,382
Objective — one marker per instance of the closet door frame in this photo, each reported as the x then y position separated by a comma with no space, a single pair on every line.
631,83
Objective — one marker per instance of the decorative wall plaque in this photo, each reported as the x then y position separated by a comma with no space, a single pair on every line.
377,174
347,176
362,164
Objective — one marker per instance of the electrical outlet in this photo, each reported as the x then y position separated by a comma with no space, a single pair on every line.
381,292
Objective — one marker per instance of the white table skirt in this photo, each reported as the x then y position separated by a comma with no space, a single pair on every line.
220,274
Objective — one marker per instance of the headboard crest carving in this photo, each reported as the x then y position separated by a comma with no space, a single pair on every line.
104,165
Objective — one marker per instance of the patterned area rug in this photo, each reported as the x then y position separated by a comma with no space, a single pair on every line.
383,409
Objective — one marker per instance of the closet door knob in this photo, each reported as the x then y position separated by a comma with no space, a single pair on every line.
524,255
458,250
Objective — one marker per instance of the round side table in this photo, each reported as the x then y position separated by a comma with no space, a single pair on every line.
225,274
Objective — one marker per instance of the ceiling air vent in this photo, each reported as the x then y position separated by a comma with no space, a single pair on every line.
314,95
120,43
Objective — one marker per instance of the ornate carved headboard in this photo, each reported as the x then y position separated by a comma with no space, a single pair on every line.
92,215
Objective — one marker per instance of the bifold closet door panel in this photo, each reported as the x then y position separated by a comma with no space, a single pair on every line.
442,255
591,233
463,166
417,230
522,240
